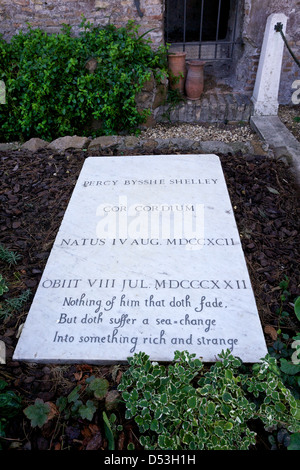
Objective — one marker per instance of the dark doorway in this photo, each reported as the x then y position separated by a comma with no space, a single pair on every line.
199,22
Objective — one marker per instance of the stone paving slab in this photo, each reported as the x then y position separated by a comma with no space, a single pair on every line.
280,139
147,258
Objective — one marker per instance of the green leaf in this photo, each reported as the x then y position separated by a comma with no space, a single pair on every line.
3,384
280,407
87,411
164,399
218,431
166,442
226,397
211,408
297,307
147,395
134,395
289,368
272,190
99,387
61,403
126,396
143,403
228,374
10,404
3,286
228,426
297,414
294,442
108,432
38,413
188,437
192,402
154,426
74,395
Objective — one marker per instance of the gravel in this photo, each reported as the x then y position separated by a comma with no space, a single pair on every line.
221,132
204,132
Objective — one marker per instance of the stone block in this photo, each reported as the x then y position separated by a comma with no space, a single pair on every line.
265,93
69,142
148,258
104,142
35,144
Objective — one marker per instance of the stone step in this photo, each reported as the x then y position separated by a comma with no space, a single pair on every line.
211,107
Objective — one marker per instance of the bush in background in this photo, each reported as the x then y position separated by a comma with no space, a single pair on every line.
50,91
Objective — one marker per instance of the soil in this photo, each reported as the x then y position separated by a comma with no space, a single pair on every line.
290,116
35,190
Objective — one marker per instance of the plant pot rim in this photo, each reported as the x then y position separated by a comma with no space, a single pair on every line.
196,62
176,54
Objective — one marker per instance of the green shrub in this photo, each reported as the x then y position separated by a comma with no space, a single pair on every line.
10,406
286,348
51,93
9,306
182,406
8,256
14,305
3,285
83,402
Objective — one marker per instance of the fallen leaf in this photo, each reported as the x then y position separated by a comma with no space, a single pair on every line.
2,352
89,430
270,330
272,190
121,441
19,330
78,375
119,376
112,399
53,410
16,224
86,433
92,437
84,367
95,443
93,428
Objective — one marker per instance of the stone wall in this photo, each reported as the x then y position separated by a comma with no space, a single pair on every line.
256,13
51,14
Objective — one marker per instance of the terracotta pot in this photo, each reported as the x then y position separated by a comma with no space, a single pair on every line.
177,70
195,79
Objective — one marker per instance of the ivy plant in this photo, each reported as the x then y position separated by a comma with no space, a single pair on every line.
185,406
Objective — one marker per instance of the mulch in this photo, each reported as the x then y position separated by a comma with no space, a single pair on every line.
34,193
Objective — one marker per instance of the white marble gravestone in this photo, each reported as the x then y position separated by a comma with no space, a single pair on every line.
148,258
